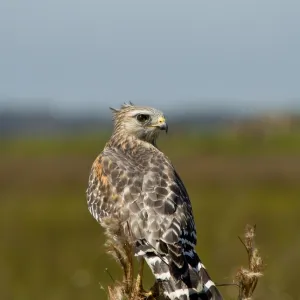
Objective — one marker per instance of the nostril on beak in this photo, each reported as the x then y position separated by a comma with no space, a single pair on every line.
161,122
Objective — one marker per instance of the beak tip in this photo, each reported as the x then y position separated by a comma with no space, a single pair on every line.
164,127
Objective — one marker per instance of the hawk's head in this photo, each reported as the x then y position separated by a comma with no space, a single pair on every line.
145,123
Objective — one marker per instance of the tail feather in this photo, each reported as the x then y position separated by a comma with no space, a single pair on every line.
181,277
201,287
209,287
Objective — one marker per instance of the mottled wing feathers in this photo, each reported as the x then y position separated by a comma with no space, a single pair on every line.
148,188
149,195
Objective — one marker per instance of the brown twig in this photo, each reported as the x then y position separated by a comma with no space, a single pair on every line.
247,278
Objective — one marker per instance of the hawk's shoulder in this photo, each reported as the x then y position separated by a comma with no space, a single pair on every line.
99,189
112,171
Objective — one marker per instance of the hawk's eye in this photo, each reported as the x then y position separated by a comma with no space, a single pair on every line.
142,118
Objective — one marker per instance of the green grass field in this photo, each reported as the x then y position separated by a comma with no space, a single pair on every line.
52,249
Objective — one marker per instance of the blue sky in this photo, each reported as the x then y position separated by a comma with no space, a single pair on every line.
86,55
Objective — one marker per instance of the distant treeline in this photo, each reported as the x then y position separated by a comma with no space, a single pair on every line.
42,123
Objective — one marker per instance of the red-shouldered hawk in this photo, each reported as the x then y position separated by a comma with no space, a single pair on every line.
134,184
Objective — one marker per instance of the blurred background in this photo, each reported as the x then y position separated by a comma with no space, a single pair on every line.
227,77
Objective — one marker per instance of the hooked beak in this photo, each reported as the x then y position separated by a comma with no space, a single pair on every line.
162,124
163,127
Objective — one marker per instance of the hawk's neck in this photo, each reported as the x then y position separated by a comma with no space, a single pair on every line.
131,143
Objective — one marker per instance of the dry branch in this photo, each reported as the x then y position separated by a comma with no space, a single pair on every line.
247,278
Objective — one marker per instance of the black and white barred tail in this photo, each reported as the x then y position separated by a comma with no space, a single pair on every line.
195,285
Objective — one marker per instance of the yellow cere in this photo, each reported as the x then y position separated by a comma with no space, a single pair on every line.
161,120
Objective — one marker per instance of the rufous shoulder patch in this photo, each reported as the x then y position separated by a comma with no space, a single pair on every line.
98,170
